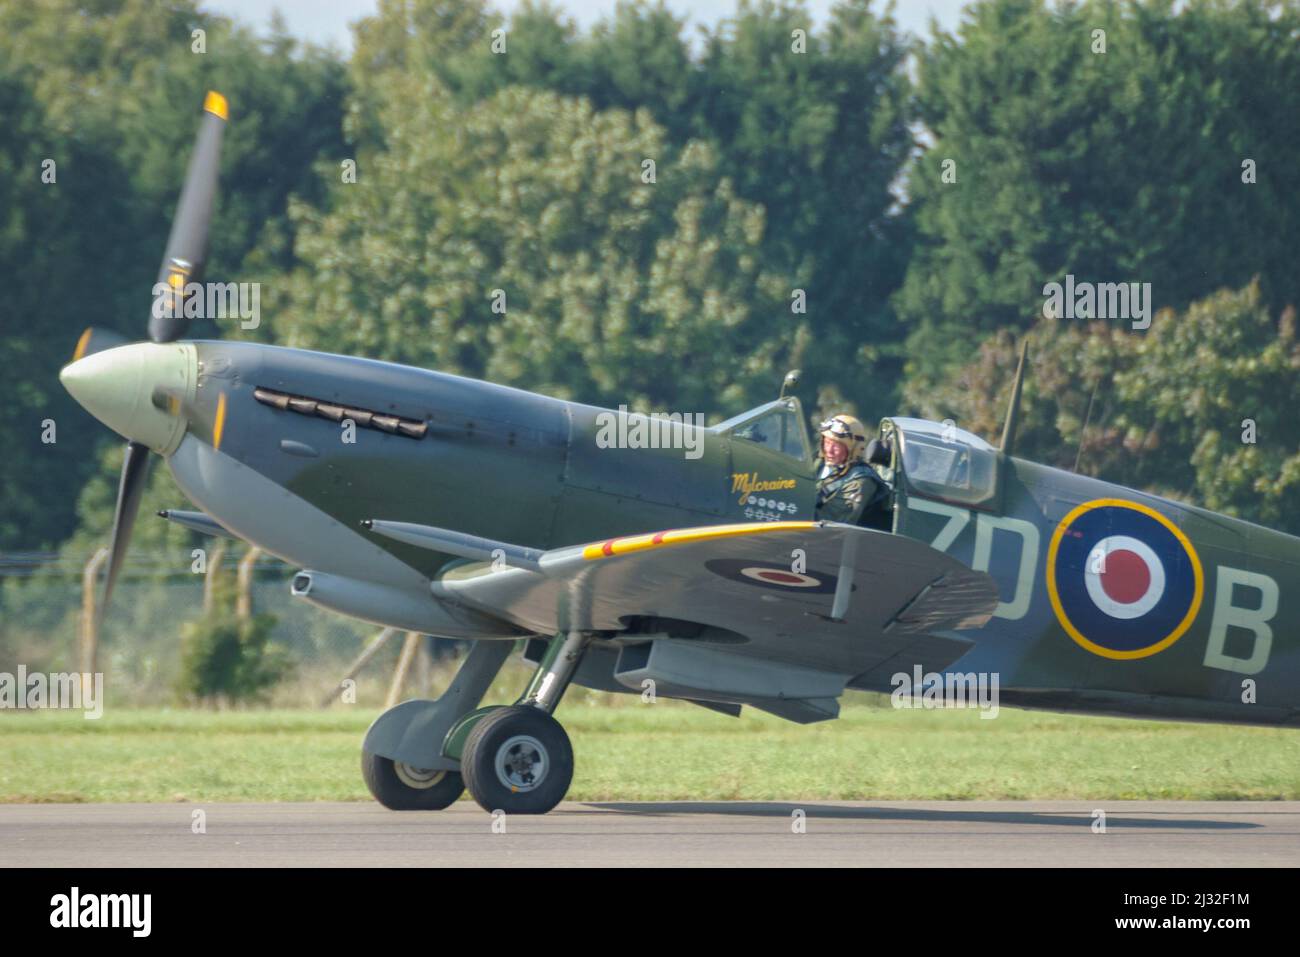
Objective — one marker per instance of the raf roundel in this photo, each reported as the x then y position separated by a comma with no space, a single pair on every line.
780,576
770,575
1124,581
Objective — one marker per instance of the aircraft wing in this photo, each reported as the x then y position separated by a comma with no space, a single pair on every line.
820,596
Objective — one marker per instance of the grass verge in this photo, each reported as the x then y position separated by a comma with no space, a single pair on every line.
665,751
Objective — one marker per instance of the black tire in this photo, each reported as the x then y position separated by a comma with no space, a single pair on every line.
400,788
529,743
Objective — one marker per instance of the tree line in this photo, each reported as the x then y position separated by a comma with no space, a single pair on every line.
632,215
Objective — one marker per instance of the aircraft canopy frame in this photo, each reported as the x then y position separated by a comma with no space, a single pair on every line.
938,460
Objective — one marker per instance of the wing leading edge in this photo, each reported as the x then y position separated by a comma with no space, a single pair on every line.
781,615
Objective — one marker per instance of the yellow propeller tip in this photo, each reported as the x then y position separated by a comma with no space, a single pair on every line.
81,345
216,104
219,426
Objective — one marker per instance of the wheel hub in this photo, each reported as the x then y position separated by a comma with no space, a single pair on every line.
521,763
419,778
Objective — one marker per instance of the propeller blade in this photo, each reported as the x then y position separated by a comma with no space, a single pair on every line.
96,340
187,246
135,473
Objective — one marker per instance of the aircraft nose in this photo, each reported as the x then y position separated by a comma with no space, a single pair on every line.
139,391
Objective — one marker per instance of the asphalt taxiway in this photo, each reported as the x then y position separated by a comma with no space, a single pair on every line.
814,833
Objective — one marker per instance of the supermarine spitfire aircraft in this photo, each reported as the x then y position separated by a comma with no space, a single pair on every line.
472,510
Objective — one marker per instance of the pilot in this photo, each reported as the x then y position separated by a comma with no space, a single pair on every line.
848,489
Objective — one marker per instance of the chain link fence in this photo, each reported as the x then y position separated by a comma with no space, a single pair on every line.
42,599
139,641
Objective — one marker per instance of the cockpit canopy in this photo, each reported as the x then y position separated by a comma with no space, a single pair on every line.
938,460
934,460
776,425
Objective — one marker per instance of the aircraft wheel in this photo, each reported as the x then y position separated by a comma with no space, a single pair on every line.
518,760
400,787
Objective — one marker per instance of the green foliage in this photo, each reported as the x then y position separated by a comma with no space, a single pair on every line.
229,659
1221,383
1199,407
1117,166
1070,381
110,92
775,170
819,139
816,138
615,289
47,235
224,658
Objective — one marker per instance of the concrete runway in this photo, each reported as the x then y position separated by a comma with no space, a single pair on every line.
888,834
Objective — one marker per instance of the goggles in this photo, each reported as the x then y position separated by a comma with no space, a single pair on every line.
839,429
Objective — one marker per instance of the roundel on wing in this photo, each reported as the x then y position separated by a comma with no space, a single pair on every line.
770,575
1124,581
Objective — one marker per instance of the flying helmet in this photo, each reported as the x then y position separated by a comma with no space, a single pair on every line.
848,431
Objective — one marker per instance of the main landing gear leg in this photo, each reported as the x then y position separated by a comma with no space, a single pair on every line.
402,758
518,759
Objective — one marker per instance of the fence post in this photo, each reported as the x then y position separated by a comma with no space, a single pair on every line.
361,661
244,584
403,666
423,666
215,558
88,639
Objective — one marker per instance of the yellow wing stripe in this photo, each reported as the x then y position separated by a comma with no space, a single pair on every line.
216,104
637,543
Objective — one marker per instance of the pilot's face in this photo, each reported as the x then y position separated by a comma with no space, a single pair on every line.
833,452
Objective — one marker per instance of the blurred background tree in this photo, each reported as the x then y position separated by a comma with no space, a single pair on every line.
1122,165
227,658
783,160
109,91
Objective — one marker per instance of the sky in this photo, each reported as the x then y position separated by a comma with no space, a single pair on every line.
326,21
